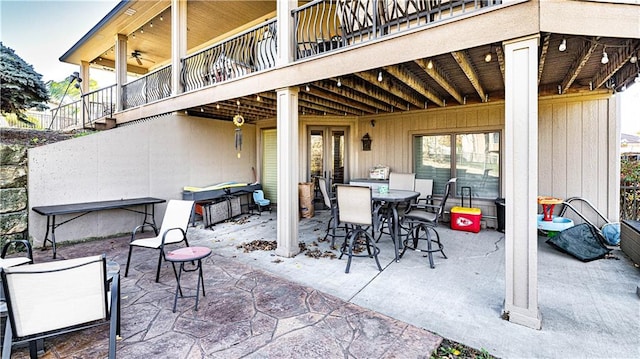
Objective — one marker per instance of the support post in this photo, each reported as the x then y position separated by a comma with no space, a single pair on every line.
285,31
287,151
521,173
178,43
121,69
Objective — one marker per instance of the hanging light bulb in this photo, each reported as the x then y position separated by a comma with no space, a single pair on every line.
339,82
142,30
238,102
217,106
161,18
258,98
201,109
430,65
307,88
380,76
133,35
487,57
605,57
633,59
563,45
150,24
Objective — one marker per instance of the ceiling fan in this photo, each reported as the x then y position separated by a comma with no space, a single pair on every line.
136,54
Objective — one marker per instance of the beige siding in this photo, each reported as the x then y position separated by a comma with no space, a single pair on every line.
153,158
574,141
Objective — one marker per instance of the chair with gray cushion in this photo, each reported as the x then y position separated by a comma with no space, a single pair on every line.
422,220
355,212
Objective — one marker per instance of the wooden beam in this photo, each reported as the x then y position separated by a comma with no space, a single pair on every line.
373,92
337,106
441,78
500,55
308,103
388,85
346,100
543,56
616,61
463,60
354,96
578,64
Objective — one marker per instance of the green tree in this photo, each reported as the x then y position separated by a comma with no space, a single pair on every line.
20,85
57,88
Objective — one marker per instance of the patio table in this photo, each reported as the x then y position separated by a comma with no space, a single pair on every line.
88,207
394,197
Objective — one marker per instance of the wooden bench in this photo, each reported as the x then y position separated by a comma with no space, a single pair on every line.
87,207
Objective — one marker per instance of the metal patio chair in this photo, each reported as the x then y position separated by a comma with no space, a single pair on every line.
355,212
77,294
332,204
10,261
422,219
173,231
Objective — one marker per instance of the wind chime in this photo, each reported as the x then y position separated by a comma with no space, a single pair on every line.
238,120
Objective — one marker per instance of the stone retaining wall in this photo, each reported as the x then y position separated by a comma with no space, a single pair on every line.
13,193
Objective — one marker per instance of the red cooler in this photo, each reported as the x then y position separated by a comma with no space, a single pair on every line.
466,219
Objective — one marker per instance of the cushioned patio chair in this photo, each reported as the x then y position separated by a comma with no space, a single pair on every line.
19,245
173,231
355,211
260,201
422,219
399,181
52,298
332,204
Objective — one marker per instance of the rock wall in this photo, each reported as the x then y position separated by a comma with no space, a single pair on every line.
13,193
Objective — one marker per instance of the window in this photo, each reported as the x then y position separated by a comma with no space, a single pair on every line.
474,158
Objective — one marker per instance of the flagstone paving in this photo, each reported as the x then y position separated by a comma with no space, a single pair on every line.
246,313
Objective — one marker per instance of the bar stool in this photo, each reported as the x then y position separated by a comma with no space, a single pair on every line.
182,256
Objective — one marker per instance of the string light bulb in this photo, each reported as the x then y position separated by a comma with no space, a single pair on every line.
563,45
487,57
605,57
150,24
142,30
633,59
307,88
161,18
430,65
258,98
380,76
217,106
339,82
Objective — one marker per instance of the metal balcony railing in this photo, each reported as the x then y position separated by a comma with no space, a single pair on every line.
326,25
252,50
83,113
151,87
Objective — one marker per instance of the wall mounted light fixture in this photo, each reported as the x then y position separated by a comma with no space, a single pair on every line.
366,142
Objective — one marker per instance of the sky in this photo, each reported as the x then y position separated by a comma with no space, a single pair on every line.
41,31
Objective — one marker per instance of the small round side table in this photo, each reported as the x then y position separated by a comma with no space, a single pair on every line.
182,256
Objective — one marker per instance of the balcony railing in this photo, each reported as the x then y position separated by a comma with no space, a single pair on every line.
252,50
326,25
320,26
83,113
152,87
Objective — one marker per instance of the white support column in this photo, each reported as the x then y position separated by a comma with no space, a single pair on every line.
178,42
84,75
521,171
285,31
121,68
288,211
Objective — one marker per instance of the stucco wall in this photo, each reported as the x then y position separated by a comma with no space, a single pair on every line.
154,158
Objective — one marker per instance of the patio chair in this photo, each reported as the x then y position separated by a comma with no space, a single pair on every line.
332,204
425,187
399,181
173,231
77,294
6,262
260,201
355,212
422,219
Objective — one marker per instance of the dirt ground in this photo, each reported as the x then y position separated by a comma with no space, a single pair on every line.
35,138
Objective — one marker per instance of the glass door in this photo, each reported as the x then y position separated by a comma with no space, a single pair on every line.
327,153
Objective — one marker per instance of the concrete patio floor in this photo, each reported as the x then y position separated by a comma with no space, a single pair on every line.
261,305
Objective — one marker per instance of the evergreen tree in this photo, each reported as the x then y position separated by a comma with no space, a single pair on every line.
21,87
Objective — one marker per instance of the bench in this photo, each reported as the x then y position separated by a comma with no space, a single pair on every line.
87,207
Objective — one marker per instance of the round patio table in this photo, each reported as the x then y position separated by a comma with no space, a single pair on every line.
394,197
185,255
